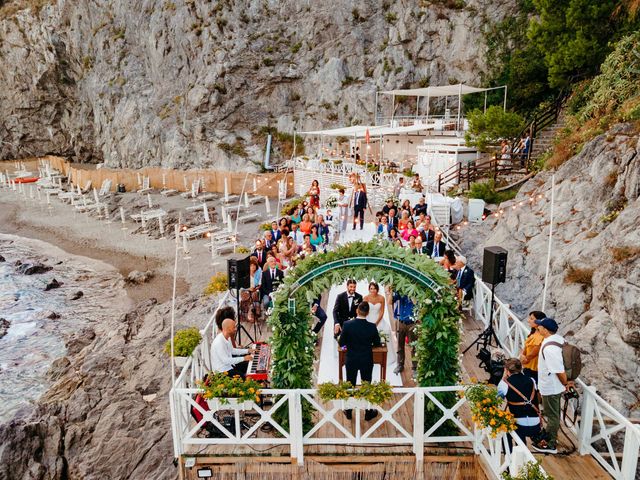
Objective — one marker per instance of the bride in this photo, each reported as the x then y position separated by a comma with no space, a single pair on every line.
377,304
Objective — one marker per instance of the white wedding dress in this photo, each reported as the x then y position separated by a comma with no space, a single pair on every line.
374,314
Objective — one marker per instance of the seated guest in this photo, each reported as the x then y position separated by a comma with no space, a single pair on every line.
449,263
271,278
296,234
315,238
305,225
519,390
268,242
259,253
392,220
428,230
275,231
421,207
410,231
383,227
437,246
307,243
419,247
323,229
388,206
406,206
297,215
411,244
404,220
393,235
224,356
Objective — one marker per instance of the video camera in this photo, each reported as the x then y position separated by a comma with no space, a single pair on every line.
493,363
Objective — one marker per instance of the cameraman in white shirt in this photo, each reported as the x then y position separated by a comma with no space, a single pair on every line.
224,356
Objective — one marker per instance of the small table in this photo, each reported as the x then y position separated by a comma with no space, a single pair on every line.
379,358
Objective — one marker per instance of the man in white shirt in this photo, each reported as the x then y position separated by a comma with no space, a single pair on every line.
296,234
224,356
552,382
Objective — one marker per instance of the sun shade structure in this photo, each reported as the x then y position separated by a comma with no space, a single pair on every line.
441,91
360,131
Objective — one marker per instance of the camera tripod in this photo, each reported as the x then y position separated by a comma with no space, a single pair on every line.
488,335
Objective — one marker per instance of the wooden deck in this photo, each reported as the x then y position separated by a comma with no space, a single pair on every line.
569,465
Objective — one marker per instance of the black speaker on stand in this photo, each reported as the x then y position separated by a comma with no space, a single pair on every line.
494,271
239,277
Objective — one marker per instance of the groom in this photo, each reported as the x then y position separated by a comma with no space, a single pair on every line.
345,306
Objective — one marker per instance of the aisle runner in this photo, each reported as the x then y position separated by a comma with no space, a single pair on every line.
328,365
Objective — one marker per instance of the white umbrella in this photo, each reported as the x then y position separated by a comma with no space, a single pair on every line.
226,190
267,205
246,200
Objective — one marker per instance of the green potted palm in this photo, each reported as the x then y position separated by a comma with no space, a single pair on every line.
184,343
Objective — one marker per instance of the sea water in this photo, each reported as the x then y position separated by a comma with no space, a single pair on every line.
31,343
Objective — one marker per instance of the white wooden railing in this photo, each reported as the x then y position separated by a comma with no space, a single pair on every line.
598,422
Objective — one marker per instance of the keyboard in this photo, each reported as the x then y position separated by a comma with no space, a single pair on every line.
258,368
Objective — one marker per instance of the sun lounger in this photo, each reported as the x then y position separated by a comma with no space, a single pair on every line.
250,217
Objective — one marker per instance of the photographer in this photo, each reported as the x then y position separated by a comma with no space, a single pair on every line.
519,390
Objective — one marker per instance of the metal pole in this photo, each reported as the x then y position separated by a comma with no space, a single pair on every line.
375,111
428,98
485,102
417,106
546,275
459,103
393,106
505,99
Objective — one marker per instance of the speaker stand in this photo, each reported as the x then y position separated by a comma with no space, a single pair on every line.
239,326
488,334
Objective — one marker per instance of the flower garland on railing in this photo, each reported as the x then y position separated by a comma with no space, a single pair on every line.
222,386
487,411
438,334
375,393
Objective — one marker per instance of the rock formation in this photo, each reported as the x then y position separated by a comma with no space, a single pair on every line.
189,84
594,284
107,414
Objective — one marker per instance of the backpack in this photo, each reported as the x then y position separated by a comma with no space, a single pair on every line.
571,358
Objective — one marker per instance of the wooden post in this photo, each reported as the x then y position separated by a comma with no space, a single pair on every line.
630,454
418,429
586,422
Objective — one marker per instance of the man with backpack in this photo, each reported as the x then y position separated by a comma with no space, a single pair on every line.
552,382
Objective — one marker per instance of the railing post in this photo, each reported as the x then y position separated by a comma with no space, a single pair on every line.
586,421
418,428
295,427
175,427
630,454
439,182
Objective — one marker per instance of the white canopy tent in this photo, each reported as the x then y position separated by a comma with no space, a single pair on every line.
360,131
441,91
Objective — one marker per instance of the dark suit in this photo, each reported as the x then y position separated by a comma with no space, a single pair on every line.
431,246
262,257
277,235
359,336
359,205
268,244
424,250
320,314
341,310
392,222
427,236
466,281
269,284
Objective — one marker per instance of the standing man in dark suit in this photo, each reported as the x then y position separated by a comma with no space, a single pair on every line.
359,336
271,278
345,306
465,280
359,205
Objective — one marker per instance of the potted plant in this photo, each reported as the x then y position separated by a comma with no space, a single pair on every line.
224,392
529,471
487,412
184,343
344,395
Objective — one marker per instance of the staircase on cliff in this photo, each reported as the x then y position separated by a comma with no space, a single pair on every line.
543,142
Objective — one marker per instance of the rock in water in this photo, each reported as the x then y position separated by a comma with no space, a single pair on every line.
4,327
53,284
136,277
33,268
76,295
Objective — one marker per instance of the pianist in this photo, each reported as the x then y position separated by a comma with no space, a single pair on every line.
226,358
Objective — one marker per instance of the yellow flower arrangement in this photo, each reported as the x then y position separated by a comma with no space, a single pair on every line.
222,386
486,409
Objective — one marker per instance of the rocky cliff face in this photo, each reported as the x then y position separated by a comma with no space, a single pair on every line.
187,83
594,287
107,414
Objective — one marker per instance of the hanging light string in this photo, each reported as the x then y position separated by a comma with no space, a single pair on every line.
532,199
